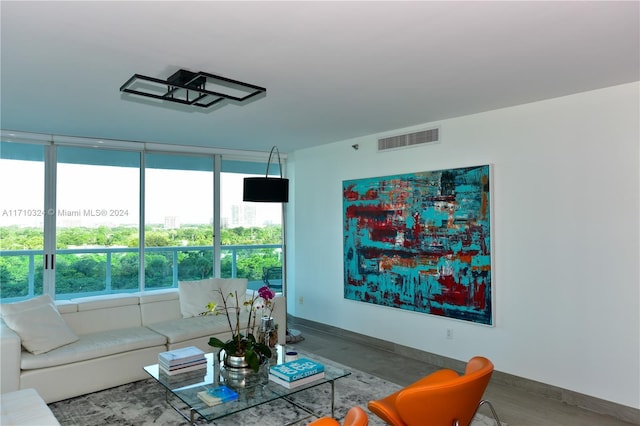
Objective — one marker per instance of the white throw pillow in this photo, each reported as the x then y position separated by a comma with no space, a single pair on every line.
41,328
235,286
195,296
12,308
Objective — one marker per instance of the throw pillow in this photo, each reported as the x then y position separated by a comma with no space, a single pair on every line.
195,296
231,286
12,308
40,328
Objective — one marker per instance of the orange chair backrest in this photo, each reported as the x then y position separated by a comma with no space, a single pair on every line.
443,403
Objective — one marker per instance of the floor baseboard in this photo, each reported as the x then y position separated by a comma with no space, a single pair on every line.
565,396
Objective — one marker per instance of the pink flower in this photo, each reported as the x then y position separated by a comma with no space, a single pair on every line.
266,293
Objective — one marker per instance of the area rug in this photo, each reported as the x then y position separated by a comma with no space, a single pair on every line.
143,403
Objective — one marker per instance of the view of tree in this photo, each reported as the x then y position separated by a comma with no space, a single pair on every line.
87,272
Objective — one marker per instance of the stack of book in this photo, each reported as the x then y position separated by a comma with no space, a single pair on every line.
181,360
296,373
183,379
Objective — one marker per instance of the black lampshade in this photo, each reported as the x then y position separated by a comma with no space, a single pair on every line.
266,190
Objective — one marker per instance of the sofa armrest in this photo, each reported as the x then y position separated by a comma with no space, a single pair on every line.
26,407
10,354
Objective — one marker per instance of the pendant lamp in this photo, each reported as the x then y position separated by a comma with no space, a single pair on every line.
267,189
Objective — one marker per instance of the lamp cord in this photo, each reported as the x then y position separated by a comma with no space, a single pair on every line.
269,161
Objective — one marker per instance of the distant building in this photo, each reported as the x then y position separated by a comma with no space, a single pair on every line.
171,222
241,215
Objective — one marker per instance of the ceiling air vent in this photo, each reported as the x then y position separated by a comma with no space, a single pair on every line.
410,139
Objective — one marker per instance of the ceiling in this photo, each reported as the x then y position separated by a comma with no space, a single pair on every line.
333,70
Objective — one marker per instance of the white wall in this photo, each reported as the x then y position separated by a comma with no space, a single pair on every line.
566,229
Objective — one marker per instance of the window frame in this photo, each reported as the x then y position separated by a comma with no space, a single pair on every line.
252,162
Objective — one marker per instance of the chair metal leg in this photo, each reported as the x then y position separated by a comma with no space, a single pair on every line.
493,411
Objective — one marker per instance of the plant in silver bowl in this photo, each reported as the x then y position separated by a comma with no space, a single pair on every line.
243,343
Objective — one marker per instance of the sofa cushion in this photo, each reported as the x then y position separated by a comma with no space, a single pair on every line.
95,345
160,305
96,320
184,329
195,295
163,295
66,306
106,301
39,325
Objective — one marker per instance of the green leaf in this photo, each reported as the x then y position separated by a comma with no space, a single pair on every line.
263,349
231,347
216,343
252,359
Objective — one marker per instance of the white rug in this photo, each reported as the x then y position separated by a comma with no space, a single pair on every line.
143,403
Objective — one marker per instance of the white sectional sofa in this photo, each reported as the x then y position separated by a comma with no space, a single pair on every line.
25,407
116,336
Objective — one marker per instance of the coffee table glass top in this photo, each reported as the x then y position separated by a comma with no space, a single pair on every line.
253,389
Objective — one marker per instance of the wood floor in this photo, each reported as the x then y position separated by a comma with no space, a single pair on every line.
514,406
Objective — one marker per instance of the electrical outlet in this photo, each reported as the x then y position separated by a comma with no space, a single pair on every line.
450,333
301,300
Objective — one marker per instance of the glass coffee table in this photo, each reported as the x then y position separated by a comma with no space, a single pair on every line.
253,389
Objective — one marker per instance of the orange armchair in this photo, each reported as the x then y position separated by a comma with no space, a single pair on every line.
442,398
356,416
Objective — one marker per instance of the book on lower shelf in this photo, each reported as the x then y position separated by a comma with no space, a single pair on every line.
180,356
296,370
218,395
294,384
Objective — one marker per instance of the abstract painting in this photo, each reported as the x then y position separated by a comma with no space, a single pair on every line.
421,242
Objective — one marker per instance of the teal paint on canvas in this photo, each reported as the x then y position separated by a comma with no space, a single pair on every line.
421,242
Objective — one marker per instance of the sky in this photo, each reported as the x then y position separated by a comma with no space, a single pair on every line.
90,195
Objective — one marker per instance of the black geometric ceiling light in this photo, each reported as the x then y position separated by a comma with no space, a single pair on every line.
199,89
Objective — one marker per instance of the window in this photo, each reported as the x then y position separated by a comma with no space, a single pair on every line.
97,221
73,217
251,233
22,216
178,219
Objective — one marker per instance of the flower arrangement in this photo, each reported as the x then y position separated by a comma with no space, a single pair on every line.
243,342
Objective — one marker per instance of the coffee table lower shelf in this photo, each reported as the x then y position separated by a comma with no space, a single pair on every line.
193,415
260,392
